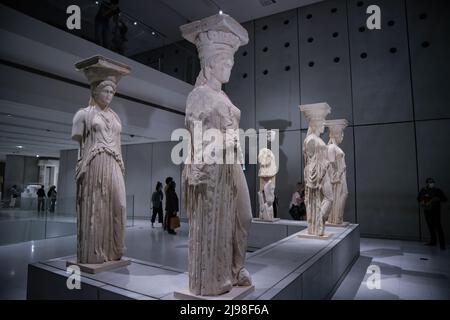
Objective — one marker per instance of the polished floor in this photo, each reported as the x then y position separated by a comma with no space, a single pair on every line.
409,270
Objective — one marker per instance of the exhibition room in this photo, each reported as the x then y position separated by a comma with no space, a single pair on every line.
235,150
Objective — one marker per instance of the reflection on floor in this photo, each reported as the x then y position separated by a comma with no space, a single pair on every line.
408,269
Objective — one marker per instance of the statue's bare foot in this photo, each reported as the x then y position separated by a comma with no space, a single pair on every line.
244,279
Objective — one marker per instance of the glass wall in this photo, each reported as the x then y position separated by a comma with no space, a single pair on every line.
21,221
108,24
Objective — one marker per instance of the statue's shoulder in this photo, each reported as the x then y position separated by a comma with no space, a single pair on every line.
201,100
80,115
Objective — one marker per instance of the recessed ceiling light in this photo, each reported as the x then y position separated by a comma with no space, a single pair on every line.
153,33
37,156
220,12
9,115
19,147
96,2
135,23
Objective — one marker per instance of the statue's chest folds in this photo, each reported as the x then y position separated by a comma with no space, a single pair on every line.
105,124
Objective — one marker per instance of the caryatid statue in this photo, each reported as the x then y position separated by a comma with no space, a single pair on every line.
216,194
338,171
267,177
101,196
318,191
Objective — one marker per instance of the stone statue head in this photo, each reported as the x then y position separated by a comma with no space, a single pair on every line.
103,93
103,75
217,38
316,115
336,128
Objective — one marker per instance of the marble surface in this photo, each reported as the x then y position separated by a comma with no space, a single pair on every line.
216,194
403,272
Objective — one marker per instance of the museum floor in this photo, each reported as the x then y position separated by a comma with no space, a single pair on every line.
409,270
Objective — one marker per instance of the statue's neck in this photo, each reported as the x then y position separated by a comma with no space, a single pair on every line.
214,84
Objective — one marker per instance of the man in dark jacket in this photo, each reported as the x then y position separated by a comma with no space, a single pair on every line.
41,200
430,199
171,205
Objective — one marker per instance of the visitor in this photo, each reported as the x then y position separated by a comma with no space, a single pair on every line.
157,198
51,194
171,206
168,180
14,195
297,207
119,38
430,199
106,11
41,199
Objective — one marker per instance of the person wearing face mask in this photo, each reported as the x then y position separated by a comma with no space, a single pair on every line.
430,199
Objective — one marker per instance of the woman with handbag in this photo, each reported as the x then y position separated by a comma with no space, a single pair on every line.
172,220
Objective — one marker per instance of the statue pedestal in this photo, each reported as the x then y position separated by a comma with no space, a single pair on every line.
305,235
237,293
266,220
100,267
342,225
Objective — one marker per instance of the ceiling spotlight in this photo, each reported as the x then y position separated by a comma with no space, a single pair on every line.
19,147
37,156
9,115
135,23
96,2
220,12
153,33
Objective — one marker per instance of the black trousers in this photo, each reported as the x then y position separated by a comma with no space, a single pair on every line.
433,219
159,212
41,204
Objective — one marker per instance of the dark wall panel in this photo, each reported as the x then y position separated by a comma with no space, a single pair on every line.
386,180
325,57
429,29
241,88
276,71
380,64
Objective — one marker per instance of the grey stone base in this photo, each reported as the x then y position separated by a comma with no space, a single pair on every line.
237,293
99,267
288,269
265,220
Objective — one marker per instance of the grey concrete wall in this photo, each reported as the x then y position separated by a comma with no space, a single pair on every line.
390,84
20,171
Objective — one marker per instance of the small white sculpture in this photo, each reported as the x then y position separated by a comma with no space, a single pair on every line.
101,206
318,192
216,195
338,170
267,171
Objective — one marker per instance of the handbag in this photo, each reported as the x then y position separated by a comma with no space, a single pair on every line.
174,222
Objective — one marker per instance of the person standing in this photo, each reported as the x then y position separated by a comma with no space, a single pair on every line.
41,199
106,11
430,199
14,195
51,194
168,180
297,207
171,205
157,199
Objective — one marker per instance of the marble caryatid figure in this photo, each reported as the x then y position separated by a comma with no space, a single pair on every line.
100,201
338,171
267,172
216,195
318,191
